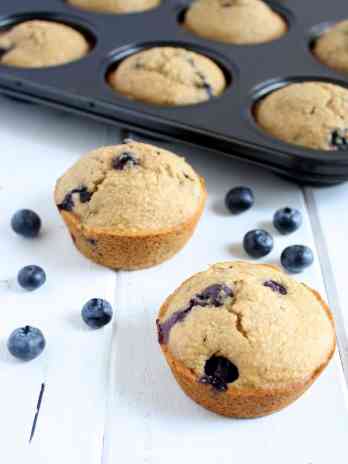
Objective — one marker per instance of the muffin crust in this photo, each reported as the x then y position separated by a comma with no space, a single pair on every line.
276,332
115,6
168,76
131,205
40,44
235,21
309,114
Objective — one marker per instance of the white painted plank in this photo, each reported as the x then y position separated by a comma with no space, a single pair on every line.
331,206
150,419
37,146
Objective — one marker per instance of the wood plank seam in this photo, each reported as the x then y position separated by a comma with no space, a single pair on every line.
328,277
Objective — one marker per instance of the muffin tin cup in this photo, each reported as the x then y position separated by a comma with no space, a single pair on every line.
224,124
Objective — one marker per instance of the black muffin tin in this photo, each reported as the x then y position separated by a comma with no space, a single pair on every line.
224,124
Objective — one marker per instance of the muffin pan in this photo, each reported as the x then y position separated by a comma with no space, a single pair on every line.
224,124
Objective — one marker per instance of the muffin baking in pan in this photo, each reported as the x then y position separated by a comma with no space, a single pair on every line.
251,79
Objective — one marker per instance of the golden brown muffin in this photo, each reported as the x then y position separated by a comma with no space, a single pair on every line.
130,206
245,340
309,114
115,6
235,21
332,47
40,44
168,76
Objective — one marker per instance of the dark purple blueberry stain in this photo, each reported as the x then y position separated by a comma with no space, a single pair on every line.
68,202
127,159
92,241
276,287
339,139
204,84
214,295
4,50
218,372
139,65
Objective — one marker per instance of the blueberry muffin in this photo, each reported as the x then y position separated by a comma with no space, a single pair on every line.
130,206
245,340
115,6
168,76
39,44
309,114
234,21
332,47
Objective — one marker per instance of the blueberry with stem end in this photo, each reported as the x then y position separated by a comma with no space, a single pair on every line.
26,343
287,220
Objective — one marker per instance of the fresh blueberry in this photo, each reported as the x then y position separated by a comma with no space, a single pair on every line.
96,313
258,243
287,220
239,199
296,258
31,277
26,223
26,343
219,371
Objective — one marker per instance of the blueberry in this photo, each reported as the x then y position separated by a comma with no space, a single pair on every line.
287,220
26,343
68,202
96,313
218,372
31,277
26,223
239,199
339,139
296,258
258,243
276,287
126,159
214,295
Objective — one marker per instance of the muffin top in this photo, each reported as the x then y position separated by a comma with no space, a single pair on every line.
168,76
115,6
257,326
309,114
235,21
332,47
37,44
131,188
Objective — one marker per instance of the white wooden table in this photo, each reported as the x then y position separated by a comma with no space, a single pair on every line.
109,397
